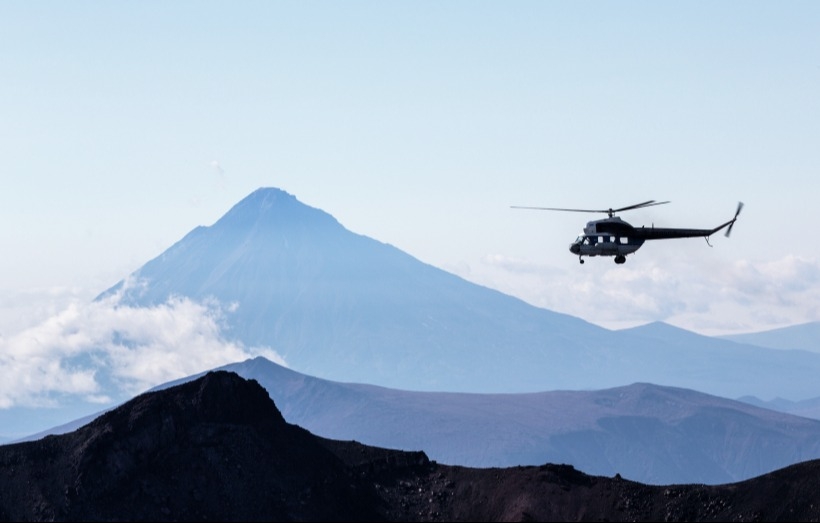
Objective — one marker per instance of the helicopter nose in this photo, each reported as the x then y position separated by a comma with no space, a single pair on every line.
574,248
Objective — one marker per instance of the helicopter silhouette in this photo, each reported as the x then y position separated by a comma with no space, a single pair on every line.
612,236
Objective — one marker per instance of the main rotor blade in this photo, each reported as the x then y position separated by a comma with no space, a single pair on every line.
558,209
648,203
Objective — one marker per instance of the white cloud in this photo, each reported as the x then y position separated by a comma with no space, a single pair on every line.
514,265
85,349
95,350
21,309
705,295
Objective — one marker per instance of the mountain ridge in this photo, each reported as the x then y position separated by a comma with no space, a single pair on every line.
684,436
346,290
345,307
803,336
217,448
691,437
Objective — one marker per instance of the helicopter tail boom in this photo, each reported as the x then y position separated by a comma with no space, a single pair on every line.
653,233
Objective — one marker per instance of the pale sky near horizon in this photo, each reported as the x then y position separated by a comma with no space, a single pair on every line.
127,124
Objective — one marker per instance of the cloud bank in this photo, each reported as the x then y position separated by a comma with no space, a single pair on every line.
711,298
104,352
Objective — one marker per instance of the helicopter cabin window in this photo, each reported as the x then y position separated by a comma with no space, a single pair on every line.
623,240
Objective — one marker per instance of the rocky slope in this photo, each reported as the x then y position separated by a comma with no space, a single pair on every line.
218,448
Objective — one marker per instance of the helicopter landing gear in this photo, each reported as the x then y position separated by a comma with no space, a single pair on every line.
619,259
580,260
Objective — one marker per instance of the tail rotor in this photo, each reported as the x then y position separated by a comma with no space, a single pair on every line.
732,223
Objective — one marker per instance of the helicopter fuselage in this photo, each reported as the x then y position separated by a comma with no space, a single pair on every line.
607,237
614,237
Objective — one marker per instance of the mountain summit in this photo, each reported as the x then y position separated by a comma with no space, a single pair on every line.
344,307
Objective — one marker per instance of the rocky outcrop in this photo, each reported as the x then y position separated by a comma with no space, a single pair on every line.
217,448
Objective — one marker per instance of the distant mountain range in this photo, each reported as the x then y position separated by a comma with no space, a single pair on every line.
800,338
652,434
344,307
644,432
390,351
217,449
805,336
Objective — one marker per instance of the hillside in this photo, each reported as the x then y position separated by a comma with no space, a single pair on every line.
217,448
643,432
803,336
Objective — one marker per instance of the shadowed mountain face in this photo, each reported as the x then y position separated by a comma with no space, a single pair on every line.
213,448
644,432
344,307
216,448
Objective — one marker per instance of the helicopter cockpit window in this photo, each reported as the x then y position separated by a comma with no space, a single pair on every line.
586,240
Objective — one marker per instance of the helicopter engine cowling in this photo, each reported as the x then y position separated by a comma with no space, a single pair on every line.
614,226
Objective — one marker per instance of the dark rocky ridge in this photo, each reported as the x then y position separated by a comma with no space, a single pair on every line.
217,448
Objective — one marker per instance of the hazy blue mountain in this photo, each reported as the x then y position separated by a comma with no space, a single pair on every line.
644,432
805,336
344,307
340,305
19,421
796,339
809,408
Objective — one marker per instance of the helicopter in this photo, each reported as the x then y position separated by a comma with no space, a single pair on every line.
612,236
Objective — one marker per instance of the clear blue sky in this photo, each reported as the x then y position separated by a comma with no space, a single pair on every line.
127,124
